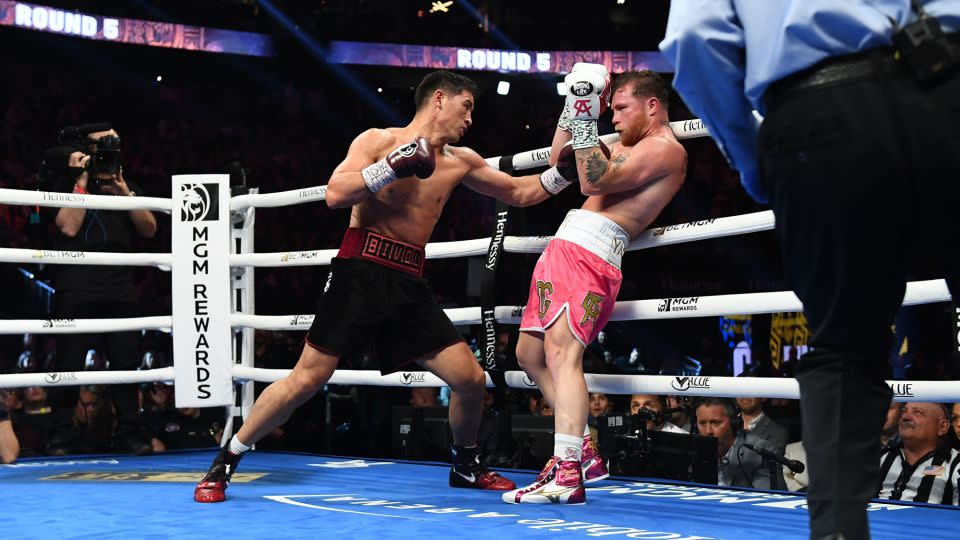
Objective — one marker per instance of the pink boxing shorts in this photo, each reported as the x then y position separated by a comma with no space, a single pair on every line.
578,272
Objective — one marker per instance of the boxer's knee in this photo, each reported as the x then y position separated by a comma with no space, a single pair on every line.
530,354
470,379
310,374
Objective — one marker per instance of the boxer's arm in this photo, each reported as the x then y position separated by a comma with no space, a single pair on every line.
515,191
346,186
560,138
649,160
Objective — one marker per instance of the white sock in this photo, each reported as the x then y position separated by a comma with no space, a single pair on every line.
237,447
568,447
586,430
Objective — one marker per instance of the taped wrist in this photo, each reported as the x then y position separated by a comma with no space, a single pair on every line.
553,181
585,134
564,121
378,175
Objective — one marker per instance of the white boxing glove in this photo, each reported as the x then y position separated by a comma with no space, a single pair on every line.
588,94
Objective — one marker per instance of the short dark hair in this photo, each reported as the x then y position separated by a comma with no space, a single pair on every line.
661,399
645,83
448,81
728,404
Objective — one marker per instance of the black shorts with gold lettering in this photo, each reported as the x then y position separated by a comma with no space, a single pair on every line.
366,303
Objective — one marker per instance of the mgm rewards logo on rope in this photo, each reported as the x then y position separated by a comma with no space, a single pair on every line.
201,281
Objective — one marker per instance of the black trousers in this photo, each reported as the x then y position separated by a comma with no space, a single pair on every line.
856,172
122,349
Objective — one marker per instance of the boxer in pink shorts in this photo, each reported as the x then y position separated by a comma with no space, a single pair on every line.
576,281
577,275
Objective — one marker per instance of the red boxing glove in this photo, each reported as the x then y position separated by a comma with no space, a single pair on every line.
415,158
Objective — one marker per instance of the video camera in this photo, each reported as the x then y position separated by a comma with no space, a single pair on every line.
635,451
104,152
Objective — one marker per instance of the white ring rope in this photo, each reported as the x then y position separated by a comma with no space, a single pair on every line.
658,236
54,256
624,384
942,391
918,292
280,198
84,326
70,378
75,200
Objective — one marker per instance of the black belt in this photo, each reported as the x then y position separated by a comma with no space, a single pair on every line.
873,64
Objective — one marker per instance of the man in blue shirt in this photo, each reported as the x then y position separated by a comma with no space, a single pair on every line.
858,150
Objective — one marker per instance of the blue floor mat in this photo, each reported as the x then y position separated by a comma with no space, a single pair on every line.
279,495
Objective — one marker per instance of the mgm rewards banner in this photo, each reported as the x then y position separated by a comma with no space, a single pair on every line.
200,239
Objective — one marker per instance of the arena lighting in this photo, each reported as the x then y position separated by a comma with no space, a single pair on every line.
441,7
503,88
390,114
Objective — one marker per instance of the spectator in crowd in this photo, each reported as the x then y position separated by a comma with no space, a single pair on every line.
34,422
653,407
598,405
423,397
680,418
761,426
955,420
9,445
172,428
32,417
543,407
715,418
89,429
796,481
738,464
891,425
921,467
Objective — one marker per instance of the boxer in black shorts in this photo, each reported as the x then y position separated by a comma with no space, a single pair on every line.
397,181
375,291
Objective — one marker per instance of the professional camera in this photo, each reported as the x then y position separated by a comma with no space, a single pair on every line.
104,163
632,450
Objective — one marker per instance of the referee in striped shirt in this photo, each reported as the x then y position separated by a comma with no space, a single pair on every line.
921,467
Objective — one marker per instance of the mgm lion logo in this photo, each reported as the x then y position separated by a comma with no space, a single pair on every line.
591,308
200,202
544,289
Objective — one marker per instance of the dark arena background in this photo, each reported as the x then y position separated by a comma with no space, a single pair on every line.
272,93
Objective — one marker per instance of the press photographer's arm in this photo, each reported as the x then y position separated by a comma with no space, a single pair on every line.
143,220
69,220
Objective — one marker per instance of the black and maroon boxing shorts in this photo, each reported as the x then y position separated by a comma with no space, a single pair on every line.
376,295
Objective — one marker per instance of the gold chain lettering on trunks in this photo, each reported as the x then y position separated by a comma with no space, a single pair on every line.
544,289
591,307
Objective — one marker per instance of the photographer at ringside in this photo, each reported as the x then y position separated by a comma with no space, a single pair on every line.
88,161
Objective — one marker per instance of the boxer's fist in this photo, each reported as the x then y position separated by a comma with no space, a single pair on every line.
567,160
412,159
588,92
